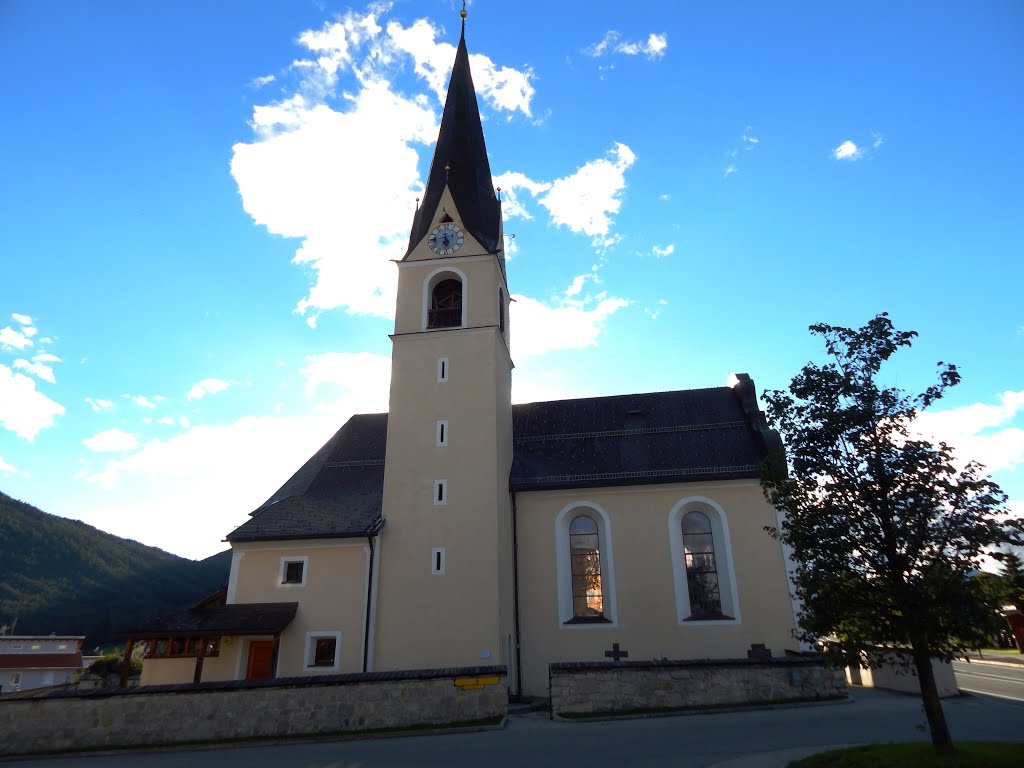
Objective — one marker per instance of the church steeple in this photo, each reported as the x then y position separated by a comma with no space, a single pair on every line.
460,163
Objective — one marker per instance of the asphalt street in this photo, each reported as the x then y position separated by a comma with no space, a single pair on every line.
766,737
1000,680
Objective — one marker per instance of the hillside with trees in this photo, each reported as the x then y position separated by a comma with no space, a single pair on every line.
63,576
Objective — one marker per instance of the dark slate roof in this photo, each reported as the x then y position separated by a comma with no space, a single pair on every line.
460,147
654,437
337,493
236,619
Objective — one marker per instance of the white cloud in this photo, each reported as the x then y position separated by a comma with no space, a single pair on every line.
538,328
981,432
847,151
668,250
653,47
23,409
112,441
500,87
22,319
12,339
39,370
510,182
361,378
207,387
584,201
10,469
46,357
144,401
98,404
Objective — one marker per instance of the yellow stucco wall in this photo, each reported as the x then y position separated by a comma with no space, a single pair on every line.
333,598
647,624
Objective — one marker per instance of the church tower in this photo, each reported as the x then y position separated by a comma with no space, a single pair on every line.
446,547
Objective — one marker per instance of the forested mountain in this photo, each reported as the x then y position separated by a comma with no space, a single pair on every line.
63,576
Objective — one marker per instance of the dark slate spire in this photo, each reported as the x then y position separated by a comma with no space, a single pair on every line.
460,161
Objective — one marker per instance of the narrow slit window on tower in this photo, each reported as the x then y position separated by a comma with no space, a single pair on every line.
445,305
440,492
442,369
442,432
501,310
437,561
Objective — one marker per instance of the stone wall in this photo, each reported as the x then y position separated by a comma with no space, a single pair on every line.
246,709
587,688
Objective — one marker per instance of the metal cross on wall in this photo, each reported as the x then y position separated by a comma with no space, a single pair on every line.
615,654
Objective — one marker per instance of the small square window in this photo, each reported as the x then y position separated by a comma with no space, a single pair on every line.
293,571
324,651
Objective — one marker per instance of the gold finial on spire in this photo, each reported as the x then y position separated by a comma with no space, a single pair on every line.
462,13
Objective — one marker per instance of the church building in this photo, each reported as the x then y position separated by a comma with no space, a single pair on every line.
458,529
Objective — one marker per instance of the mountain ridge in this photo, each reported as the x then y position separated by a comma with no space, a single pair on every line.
64,576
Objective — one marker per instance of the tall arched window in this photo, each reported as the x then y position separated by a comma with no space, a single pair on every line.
701,568
585,565
445,305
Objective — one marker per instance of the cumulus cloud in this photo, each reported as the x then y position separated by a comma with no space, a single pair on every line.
539,328
653,47
112,441
982,432
98,404
25,410
339,168
510,183
144,401
207,387
585,200
10,469
11,339
668,250
847,151
39,370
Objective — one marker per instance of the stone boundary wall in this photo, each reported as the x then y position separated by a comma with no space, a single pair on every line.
163,715
580,688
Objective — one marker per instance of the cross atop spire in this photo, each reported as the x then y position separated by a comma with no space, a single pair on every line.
460,162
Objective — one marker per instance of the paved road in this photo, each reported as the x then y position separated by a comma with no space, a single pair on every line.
992,679
693,741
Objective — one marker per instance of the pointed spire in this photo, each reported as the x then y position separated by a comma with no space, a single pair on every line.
460,162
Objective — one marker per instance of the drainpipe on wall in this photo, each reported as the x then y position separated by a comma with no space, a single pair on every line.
369,603
515,593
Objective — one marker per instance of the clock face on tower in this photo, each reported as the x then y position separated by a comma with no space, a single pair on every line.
445,239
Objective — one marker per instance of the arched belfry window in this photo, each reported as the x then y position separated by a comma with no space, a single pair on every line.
445,305
585,565
701,568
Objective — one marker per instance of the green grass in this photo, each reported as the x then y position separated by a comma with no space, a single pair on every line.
969,754
1008,651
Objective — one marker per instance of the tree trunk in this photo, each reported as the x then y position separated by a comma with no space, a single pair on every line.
941,740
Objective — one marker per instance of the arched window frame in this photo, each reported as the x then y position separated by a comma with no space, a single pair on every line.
723,561
564,565
430,282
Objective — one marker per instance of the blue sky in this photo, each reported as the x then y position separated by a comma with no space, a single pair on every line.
200,201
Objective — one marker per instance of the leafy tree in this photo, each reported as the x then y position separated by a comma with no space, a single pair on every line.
1013,576
885,528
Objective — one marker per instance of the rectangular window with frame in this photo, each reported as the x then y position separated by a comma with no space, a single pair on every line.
293,571
440,492
322,650
437,561
442,369
442,432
